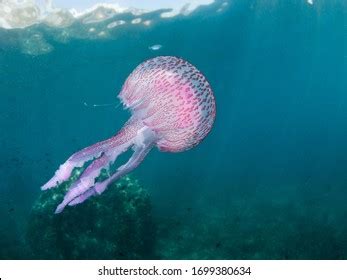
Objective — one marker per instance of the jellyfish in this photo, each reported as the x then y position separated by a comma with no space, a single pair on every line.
172,108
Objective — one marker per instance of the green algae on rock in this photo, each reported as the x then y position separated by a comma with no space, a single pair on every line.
114,226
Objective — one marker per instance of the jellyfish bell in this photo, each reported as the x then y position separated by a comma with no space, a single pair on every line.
172,108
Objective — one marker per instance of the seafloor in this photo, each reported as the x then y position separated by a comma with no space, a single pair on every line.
121,225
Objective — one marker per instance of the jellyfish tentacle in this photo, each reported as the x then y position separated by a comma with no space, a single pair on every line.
94,151
76,160
91,191
83,197
88,176
62,174
81,189
84,182
144,142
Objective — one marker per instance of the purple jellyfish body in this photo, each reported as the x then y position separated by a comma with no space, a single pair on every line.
173,108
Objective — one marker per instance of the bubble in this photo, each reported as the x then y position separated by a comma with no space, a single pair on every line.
222,7
115,23
102,34
64,36
136,21
35,45
147,22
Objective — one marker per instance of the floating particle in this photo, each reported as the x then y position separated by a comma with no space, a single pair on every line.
115,23
136,21
35,45
155,47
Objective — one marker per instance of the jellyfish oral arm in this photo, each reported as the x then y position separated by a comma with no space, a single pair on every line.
103,154
76,160
74,197
61,175
145,141
123,139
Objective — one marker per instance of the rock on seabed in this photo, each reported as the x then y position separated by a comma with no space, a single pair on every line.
115,225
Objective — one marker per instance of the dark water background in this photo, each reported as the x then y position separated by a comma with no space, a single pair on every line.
269,181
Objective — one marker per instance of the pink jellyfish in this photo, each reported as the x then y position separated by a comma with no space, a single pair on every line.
173,108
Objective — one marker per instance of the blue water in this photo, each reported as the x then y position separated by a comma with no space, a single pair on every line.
268,182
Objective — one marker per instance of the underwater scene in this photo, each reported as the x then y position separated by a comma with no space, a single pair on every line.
223,129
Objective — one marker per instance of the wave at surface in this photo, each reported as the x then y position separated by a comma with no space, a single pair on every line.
33,28
25,13
24,24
